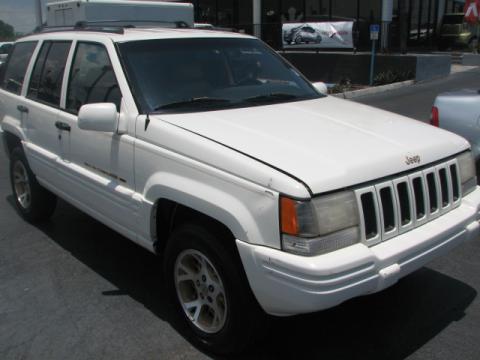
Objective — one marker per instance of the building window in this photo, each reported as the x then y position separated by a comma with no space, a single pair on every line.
371,11
225,13
344,10
293,10
317,10
271,11
244,15
207,11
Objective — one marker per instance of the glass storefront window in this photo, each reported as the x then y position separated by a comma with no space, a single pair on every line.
225,13
345,9
271,11
421,16
317,10
455,6
292,10
244,17
271,23
207,11
371,11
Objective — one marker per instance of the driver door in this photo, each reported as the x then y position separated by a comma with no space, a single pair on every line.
98,165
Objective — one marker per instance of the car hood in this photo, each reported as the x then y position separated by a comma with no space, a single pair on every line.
327,143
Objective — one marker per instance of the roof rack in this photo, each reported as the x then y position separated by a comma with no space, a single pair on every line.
115,26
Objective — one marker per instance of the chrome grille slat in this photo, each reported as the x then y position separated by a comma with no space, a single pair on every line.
363,214
404,226
387,202
421,210
455,179
444,183
431,184
401,204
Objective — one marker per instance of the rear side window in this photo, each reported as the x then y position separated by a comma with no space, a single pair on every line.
17,66
46,82
92,79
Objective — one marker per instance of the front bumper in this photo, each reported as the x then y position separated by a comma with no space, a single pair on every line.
286,284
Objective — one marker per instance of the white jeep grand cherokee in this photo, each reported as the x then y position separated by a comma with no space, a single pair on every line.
261,194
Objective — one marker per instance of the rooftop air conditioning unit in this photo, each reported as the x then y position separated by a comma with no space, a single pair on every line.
118,12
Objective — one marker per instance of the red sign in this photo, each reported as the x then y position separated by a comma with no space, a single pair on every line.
472,10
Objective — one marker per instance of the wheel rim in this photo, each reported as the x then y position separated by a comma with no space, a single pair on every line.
200,291
21,185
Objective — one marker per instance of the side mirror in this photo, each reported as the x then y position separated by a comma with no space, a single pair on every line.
98,117
321,87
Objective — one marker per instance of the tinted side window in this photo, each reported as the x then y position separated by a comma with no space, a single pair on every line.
92,79
17,66
47,76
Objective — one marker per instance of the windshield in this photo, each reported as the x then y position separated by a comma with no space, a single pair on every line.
201,74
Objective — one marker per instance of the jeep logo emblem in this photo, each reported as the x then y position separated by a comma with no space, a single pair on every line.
409,160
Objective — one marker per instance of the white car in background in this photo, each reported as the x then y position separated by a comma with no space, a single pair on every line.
259,193
459,112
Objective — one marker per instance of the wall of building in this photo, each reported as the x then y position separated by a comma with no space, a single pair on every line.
422,17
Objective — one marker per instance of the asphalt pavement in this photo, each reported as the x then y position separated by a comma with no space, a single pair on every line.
416,101
73,289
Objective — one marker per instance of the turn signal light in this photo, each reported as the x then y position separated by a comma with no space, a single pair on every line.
434,119
289,219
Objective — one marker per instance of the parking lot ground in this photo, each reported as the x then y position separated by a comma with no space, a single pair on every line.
73,289
416,101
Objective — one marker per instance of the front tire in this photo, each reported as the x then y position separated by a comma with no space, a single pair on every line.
32,201
207,283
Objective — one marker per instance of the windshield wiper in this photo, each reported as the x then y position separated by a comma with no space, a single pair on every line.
192,101
272,97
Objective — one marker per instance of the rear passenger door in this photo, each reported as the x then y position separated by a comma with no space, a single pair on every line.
11,85
42,105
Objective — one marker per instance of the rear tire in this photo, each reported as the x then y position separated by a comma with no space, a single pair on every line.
203,268
33,202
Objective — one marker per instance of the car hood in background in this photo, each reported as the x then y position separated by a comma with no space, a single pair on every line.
327,143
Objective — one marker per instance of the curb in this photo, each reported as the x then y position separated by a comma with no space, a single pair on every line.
373,90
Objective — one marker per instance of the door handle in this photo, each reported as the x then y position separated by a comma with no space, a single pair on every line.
22,109
62,126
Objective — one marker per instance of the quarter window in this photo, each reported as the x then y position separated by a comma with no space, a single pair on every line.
17,66
47,76
92,79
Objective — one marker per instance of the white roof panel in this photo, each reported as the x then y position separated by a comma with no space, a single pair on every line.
134,34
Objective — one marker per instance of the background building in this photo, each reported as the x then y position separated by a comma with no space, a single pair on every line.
421,18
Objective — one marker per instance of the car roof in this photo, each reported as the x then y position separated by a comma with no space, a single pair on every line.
132,34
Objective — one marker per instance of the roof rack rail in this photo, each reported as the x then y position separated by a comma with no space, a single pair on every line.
115,26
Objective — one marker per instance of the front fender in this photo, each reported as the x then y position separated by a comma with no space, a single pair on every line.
247,212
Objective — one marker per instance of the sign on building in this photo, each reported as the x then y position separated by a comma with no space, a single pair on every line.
337,34
471,10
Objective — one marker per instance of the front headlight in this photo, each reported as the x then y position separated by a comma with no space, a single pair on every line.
468,172
320,225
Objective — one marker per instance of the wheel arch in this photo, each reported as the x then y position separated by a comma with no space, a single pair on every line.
176,199
11,140
169,214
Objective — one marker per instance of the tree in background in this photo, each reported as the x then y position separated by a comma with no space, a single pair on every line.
6,32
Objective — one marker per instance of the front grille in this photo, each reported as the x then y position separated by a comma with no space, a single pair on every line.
393,207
